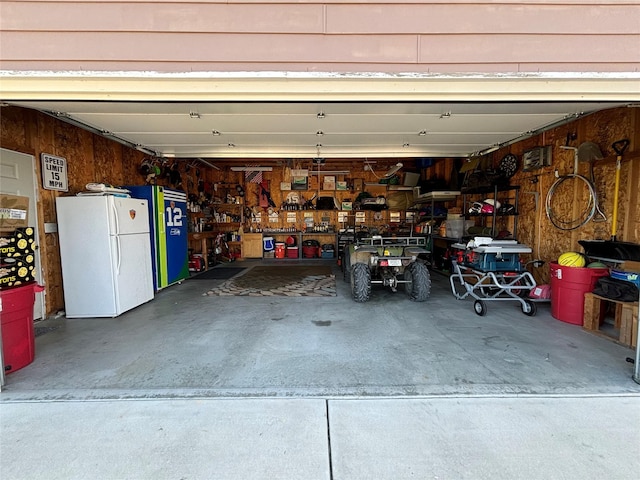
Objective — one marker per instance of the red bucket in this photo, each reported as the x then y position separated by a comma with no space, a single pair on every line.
568,286
280,250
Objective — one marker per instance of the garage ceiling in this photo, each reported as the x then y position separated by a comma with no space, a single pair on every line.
245,130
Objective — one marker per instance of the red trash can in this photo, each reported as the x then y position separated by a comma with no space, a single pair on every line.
18,335
568,286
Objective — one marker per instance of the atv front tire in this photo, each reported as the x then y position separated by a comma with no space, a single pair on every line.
360,282
418,282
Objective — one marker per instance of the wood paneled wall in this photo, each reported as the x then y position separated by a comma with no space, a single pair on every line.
92,158
602,128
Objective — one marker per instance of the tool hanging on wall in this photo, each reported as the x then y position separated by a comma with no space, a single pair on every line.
589,152
555,205
265,199
619,147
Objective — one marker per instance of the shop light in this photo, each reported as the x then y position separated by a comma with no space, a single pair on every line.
251,169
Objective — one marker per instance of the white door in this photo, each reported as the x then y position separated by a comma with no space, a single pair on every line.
18,177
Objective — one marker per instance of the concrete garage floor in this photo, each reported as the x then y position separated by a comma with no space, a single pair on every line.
198,386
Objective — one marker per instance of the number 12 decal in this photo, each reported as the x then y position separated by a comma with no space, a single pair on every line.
174,216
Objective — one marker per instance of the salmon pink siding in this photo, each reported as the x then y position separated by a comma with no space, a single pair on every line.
323,36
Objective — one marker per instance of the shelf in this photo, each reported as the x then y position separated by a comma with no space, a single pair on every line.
489,215
437,196
492,192
394,188
491,189
446,239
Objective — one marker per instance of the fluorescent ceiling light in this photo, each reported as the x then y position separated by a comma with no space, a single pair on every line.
251,169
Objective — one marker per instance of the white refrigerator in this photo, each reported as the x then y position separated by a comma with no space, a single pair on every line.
105,254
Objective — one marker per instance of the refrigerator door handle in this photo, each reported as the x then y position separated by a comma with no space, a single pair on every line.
115,217
119,253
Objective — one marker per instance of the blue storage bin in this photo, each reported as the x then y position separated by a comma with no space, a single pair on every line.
632,277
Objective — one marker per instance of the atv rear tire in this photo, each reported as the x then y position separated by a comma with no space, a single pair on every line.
418,286
360,282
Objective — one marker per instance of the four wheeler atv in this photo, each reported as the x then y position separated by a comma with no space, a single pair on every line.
387,261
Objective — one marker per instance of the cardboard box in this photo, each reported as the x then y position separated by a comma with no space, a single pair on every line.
18,243
17,259
14,212
630,266
358,183
16,271
328,186
347,206
341,185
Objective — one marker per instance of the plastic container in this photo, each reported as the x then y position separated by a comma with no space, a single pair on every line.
455,228
280,250
632,277
292,252
18,335
467,225
268,244
310,251
568,286
291,241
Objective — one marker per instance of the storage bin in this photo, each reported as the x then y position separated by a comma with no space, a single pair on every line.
292,252
632,277
568,286
455,228
18,335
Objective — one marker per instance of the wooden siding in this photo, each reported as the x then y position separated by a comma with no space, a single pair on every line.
361,36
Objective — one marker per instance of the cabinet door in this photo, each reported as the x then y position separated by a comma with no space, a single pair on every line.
252,245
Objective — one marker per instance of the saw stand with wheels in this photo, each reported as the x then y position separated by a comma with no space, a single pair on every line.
489,271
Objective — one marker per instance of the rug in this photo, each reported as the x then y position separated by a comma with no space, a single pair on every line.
281,280
220,273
